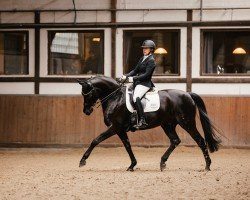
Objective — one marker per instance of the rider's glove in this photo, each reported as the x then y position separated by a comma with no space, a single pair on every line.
123,78
130,79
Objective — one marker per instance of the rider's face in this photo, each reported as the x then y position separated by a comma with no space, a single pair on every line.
146,51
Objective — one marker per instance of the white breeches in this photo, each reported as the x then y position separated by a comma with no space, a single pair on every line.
139,91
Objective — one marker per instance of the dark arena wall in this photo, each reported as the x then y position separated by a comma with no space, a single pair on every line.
30,120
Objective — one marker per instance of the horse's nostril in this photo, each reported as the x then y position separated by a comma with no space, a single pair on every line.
88,111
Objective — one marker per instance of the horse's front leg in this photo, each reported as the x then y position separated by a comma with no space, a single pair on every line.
124,138
105,135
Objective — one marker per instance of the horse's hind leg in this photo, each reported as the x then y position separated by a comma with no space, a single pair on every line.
169,129
192,130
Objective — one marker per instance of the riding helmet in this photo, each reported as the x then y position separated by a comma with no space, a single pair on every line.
149,44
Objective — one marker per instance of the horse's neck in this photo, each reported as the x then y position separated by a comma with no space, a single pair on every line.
105,106
109,100
108,107
105,88
104,93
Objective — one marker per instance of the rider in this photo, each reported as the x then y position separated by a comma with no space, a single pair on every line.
141,77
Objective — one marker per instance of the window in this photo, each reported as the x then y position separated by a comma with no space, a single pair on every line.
75,53
167,63
226,52
13,53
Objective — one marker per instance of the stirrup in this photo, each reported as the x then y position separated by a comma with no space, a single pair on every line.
141,124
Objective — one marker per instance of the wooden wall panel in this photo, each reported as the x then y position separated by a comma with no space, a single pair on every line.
59,120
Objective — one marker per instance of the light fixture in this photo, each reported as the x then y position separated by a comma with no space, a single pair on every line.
239,50
97,39
160,51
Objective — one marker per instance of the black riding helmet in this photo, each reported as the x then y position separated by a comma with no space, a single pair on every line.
149,44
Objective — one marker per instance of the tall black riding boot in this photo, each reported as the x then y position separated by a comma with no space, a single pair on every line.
140,112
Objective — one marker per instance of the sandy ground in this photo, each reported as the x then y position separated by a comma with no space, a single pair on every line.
54,174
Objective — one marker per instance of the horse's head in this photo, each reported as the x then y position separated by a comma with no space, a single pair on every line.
89,93
96,88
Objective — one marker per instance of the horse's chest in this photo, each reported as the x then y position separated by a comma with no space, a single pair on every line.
111,110
116,109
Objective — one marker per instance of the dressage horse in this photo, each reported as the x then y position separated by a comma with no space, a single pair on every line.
176,107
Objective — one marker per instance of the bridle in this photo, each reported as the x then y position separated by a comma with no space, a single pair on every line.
93,89
101,100
85,94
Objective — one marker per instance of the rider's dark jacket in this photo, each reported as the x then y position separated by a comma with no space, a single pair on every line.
143,71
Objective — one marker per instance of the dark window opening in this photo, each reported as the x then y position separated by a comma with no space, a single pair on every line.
75,53
226,52
167,63
14,53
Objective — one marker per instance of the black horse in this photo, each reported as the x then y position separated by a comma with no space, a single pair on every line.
177,107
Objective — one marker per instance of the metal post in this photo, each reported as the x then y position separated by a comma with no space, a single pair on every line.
37,52
189,51
113,38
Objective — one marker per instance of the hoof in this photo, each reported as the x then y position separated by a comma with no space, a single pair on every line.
162,166
130,169
207,168
82,163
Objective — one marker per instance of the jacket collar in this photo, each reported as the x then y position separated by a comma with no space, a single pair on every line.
146,58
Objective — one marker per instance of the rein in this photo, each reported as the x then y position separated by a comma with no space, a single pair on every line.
99,103
108,96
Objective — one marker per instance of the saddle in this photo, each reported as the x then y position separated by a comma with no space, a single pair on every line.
150,101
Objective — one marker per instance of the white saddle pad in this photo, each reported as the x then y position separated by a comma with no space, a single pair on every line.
150,101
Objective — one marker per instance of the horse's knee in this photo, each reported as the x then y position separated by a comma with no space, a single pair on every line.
176,142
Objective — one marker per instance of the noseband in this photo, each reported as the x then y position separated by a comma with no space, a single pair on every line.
85,94
92,88
91,91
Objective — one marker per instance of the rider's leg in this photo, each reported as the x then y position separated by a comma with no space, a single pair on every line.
142,122
140,90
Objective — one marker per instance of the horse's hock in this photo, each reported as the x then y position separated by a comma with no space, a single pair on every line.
49,120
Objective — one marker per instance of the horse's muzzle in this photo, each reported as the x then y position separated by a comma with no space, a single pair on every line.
88,111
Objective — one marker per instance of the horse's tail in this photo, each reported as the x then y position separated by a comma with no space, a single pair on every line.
212,140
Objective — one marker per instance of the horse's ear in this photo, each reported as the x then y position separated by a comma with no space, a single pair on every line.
83,83
80,81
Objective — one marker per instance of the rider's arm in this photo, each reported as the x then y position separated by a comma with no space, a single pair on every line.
133,72
149,70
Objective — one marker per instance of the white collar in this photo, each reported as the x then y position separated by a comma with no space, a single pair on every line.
144,57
